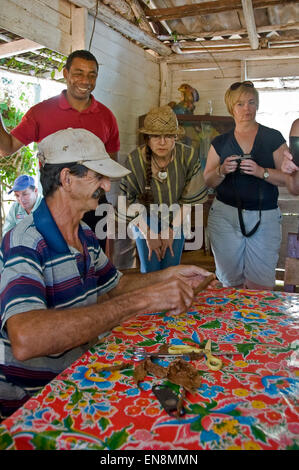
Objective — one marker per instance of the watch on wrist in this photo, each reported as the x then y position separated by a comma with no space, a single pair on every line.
266,174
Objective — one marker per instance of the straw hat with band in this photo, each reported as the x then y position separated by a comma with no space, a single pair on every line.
161,121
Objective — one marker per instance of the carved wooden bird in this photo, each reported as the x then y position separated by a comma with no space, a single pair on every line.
189,96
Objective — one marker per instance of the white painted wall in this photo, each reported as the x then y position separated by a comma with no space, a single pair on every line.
129,85
211,81
208,80
128,82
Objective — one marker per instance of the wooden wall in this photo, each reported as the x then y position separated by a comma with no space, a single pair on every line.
128,82
213,79
210,83
47,22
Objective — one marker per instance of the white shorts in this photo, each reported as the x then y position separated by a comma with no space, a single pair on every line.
240,258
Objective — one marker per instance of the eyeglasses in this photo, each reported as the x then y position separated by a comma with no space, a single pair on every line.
236,85
163,136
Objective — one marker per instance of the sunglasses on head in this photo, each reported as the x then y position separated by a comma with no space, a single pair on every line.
236,85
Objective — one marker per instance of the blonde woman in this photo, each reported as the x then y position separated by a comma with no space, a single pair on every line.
163,171
243,166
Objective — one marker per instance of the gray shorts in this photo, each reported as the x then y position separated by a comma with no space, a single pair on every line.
238,258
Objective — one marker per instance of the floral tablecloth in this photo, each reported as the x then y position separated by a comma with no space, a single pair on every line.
251,403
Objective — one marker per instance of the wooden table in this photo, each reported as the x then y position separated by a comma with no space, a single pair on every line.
251,403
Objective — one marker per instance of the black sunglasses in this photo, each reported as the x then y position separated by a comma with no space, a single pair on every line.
236,85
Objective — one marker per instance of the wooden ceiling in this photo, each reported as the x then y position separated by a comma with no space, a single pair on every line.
176,31
191,27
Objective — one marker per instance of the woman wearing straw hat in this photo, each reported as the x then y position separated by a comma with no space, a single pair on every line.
163,171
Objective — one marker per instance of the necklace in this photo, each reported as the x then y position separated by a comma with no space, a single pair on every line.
162,174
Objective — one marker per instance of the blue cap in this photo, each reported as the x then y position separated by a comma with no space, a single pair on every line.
22,182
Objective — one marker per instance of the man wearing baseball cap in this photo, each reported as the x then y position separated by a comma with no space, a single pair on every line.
58,289
27,200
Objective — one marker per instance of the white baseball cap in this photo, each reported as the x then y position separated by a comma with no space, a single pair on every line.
82,147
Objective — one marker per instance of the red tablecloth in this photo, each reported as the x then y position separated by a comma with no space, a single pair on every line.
251,403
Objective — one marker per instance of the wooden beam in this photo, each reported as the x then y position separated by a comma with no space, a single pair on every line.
20,21
89,4
262,54
121,7
250,23
130,30
78,27
230,32
214,43
140,16
18,47
165,85
206,8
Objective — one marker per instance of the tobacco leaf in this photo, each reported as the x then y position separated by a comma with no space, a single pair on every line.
178,372
184,374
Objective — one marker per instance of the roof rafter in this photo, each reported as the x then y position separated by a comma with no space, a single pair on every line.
20,46
206,8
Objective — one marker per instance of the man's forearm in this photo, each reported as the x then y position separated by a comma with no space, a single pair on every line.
43,332
8,144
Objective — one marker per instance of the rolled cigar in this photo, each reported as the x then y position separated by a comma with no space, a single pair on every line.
204,283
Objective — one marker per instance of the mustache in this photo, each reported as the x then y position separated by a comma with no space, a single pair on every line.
98,193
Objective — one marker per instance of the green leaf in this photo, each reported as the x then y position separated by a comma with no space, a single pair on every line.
293,447
199,410
275,314
76,397
245,348
196,425
148,342
68,422
45,440
6,440
279,339
211,405
258,433
116,440
248,328
128,373
212,324
104,422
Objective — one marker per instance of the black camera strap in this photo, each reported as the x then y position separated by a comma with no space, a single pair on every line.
240,214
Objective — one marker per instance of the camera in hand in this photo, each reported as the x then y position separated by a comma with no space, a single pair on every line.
245,156
294,149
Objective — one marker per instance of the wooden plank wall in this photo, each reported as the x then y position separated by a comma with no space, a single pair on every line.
128,83
50,23
210,83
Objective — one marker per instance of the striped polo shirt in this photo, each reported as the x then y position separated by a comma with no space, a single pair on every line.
38,270
183,185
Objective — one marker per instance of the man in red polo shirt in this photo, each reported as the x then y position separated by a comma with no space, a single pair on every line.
75,107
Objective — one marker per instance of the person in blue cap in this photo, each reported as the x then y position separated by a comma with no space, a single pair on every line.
27,200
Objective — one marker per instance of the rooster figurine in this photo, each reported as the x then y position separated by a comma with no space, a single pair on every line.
189,96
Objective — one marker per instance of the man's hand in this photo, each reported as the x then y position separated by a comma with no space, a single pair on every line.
190,274
174,296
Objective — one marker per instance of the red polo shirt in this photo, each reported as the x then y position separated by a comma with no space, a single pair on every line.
55,114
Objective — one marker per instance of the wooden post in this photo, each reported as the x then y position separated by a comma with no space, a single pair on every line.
165,86
78,28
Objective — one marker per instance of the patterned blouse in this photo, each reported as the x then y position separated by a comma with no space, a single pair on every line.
183,185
